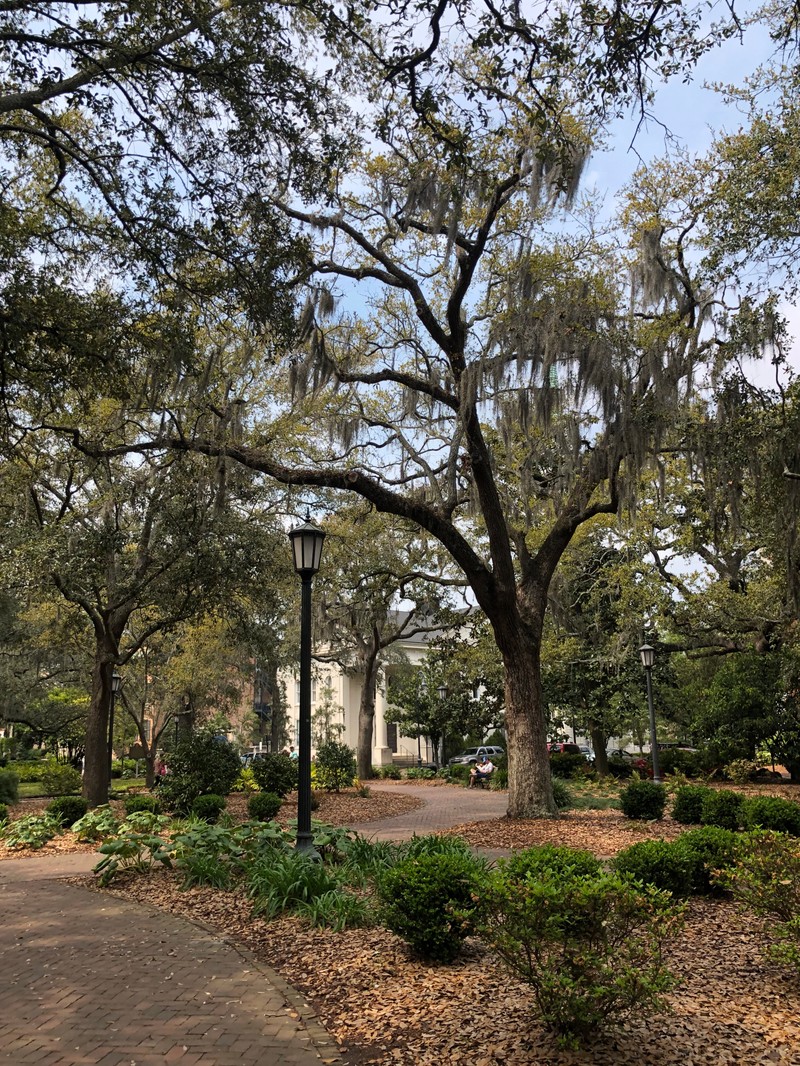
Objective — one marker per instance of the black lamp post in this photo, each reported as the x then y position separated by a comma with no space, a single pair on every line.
116,685
441,692
648,656
307,541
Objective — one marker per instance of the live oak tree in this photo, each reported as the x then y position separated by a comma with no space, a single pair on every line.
496,382
137,547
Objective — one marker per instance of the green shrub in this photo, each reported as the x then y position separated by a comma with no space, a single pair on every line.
33,832
275,773
263,806
562,794
9,786
458,774
392,773
741,771
566,764
28,771
133,804
200,766
3,813
427,900
688,806
766,878
420,773
68,810
658,863
620,768
723,808
589,947
336,766
500,779
208,807
59,779
772,812
643,800
709,849
549,859
677,761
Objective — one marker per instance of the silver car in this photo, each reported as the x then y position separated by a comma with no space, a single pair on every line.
474,755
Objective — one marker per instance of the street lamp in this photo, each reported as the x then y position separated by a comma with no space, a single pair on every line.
116,685
648,657
441,692
306,541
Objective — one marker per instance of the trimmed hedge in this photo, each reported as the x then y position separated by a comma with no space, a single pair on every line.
688,806
772,812
643,800
263,806
723,808
134,804
208,807
68,809
659,863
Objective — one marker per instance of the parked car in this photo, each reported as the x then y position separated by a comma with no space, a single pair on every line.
620,753
556,747
586,752
473,755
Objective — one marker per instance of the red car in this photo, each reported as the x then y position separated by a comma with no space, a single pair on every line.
557,748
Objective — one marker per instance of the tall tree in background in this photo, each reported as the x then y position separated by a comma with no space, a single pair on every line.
382,583
497,386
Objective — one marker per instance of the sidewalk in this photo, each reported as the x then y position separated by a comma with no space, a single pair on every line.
91,980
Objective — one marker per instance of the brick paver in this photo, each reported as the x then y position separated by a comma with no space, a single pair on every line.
87,979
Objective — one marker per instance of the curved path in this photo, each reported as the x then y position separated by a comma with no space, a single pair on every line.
91,980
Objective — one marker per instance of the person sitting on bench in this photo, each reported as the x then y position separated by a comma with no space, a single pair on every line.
481,773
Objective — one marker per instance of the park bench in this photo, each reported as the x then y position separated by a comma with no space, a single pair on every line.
482,780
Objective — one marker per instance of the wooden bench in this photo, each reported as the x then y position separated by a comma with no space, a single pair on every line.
480,780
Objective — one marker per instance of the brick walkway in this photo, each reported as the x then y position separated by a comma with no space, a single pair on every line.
90,980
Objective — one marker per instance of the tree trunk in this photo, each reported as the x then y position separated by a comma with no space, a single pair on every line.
530,790
95,776
277,725
366,718
599,742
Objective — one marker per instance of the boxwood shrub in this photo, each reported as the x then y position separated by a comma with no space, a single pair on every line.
427,901
710,850
275,772
772,812
208,807
688,806
68,809
723,808
533,863
644,800
134,804
659,863
263,806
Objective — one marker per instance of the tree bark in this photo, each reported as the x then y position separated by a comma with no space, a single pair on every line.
95,777
530,790
599,742
366,717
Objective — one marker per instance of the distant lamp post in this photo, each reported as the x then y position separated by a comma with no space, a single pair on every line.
116,685
441,692
648,657
306,541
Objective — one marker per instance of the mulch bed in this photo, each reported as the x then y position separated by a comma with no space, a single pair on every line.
385,1008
